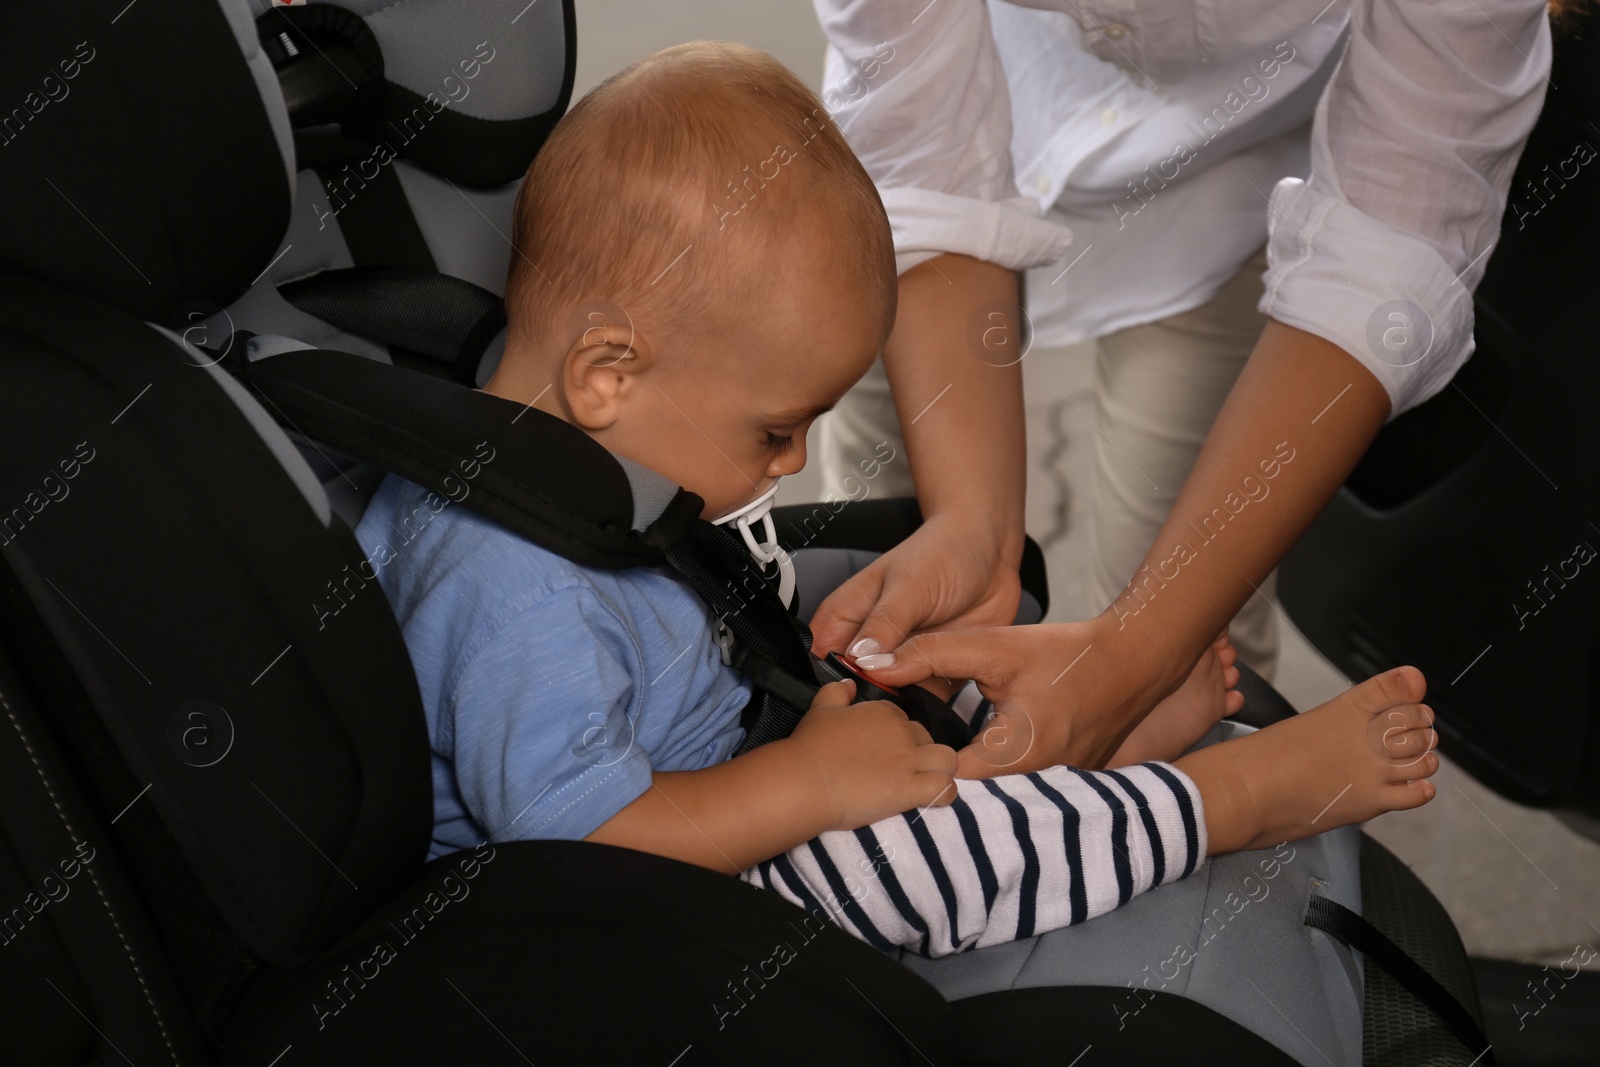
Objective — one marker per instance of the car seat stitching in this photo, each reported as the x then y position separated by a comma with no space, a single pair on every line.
93,878
1205,906
1032,951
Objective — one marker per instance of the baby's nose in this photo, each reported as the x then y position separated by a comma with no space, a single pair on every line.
791,461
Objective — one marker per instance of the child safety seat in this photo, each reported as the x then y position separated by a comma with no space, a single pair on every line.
216,800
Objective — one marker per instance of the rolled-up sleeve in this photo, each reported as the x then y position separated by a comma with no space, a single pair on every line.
1413,149
918,90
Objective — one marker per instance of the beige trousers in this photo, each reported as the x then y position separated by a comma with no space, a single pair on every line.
1158,387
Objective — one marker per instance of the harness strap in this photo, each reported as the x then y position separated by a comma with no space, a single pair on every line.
375,218
1339,922
774,648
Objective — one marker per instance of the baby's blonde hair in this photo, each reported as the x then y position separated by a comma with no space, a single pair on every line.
712,147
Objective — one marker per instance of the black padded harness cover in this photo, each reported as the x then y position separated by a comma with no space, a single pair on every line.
543,479
548,482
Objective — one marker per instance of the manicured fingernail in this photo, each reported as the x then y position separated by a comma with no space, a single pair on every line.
877,662
864,647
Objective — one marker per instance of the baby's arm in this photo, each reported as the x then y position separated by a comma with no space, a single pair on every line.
727,815
843,767
1014,856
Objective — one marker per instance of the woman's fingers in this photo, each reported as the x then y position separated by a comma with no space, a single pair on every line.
937,789
839,618
987,656
898,608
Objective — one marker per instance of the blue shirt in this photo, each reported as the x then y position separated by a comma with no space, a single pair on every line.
552,690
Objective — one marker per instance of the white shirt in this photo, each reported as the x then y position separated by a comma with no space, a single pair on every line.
1127,152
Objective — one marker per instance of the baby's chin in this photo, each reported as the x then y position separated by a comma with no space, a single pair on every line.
714,511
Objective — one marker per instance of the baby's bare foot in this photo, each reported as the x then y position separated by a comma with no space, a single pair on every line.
1359,755
1185,716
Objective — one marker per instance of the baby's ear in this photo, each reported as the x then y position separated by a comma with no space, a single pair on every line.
600,371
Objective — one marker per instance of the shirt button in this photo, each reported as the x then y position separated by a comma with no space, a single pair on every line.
1108,117
1042,183
1115,31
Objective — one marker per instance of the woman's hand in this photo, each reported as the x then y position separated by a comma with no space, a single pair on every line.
1064,693
943,577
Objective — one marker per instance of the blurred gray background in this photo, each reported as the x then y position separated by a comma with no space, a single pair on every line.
1519,884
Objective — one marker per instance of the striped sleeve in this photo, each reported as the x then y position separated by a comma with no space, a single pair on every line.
1012,857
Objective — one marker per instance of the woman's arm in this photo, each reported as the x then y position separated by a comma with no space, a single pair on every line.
919,92
1295,424
1413,148
1071,692
953,366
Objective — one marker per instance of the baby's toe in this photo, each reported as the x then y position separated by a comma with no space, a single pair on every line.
1405,742
1405,795
1409,717
1421,763
1391,689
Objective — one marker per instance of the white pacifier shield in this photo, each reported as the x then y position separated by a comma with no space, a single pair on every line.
767,550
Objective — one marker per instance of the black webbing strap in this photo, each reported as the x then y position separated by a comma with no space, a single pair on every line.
445,318
374,216
772,642
1338,921
776,680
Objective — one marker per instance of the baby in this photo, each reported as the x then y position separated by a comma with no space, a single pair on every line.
701,269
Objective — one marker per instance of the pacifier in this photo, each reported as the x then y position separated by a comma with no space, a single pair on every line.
767,550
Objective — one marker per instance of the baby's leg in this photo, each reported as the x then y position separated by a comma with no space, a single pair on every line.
1020,854
1359,755
1012,857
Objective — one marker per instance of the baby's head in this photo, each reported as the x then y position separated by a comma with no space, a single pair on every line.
702,267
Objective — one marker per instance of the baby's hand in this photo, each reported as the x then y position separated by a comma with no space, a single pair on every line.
873,761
